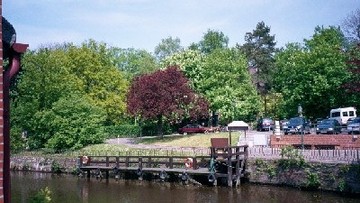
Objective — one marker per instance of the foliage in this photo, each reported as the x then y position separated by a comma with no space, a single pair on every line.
162,95
123,131
312,75
211,41
52,75
261,165
191,63
291,158
133,62
71,123
352,86
18,142
312,180
223,79
43,196
227,85
259,49
56,167
167,47
342,185
99,79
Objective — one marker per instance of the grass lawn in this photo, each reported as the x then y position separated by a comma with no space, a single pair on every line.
192,140
177,141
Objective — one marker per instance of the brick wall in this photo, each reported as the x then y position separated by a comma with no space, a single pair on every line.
317,141
1,114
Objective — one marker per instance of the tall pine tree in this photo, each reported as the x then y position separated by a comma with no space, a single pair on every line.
259,48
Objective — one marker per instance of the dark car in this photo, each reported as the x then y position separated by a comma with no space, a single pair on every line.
265,124
193,128
297,125
284,124
354,126
327,126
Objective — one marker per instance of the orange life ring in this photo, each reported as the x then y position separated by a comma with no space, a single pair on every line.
85,160
189,163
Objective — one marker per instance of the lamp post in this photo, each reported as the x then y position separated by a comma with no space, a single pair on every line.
300,110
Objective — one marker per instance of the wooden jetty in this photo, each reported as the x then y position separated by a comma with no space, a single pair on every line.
223,162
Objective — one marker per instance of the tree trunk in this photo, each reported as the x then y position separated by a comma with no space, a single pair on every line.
160,126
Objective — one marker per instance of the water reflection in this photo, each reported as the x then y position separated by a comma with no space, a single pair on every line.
68,188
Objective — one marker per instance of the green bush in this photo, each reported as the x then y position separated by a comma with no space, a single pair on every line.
291,158
71,123
123,131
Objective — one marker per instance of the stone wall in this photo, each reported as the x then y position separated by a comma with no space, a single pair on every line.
309,175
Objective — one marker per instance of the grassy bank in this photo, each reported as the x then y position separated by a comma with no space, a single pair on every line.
182,145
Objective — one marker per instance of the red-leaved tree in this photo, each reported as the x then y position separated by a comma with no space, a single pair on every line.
165,95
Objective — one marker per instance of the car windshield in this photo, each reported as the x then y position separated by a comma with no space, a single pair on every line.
296,121
267,120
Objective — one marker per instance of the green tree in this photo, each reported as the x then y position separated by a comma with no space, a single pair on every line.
133,62
72,123
212,40
99,79
51,74
167,47
226,84
259,48
312,75
191,62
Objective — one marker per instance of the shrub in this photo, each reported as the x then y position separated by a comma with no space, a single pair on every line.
290,158
123,131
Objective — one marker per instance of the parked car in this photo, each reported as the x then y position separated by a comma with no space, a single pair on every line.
328,126
284,124
343,114
354,126
297,125
265,124
195,128
349,121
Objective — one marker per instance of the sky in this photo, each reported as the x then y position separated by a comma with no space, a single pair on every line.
142,24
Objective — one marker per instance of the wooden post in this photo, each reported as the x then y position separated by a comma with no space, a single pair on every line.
140,162
107,161
194,163
117,162
127,162
238,172
171,162
149,163
229,155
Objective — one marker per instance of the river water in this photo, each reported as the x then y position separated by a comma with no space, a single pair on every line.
71,189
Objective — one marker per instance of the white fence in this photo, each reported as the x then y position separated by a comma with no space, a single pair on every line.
328,156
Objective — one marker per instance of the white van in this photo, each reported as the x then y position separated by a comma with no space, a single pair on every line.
343,114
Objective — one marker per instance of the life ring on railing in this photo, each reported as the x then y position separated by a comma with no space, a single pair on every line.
189,163
85,160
